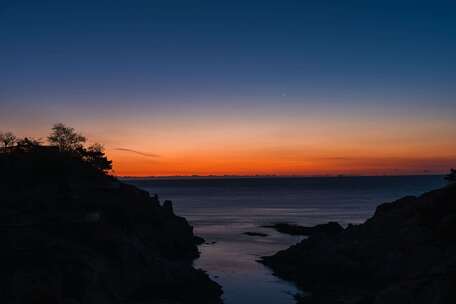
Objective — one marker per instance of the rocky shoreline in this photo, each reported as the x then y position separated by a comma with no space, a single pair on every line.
74,235
293,229
405,253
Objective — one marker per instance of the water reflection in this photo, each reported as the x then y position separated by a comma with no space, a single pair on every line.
221,210
231,261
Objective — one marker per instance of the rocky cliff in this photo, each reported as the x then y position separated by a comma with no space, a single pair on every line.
405,253
72,234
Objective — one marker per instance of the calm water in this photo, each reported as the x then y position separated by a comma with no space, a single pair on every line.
222,209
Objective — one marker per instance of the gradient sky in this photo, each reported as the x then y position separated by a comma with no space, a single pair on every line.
238,87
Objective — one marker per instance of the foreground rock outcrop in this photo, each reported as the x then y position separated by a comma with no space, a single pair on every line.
72,234
293,229
405,253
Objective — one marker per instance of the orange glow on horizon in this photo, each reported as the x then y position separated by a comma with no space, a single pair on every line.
187,165
288,146
292,141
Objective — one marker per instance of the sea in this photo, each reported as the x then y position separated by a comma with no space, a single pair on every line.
222,209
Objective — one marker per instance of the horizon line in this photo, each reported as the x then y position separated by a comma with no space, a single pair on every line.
272,176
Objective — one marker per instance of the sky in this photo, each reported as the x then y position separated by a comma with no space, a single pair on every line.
238,87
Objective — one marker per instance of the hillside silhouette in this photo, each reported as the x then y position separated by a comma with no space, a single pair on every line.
72,233
404,253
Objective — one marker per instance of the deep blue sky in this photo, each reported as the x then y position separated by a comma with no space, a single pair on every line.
138,61
169,48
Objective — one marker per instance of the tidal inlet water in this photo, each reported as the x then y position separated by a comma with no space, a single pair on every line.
223,209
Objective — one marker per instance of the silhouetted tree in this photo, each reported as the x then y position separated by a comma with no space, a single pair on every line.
95,156
65,145
66,138
7,139
452,176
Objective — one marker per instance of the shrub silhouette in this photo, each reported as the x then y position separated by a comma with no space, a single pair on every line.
95,156
452,176
66,152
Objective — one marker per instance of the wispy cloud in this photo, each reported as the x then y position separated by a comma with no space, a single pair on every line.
336,158
137,152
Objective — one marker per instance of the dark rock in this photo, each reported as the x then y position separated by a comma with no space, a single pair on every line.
74,235
405,253
330,228
168,207
198,240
